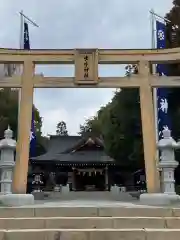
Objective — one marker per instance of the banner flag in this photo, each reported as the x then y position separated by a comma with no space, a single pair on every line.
162,93
32,134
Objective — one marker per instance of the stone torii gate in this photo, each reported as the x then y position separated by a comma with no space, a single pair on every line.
86,75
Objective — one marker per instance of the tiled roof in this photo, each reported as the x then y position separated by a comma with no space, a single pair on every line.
74,149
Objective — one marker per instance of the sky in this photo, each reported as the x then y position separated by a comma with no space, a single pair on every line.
71,24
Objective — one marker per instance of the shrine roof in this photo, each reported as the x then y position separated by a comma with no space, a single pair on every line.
74,149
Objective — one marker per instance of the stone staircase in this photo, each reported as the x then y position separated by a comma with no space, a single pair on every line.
89,223
97,196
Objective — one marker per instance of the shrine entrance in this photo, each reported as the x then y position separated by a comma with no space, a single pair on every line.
90,180
86,75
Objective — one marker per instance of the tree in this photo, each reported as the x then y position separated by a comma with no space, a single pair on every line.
122,132
91,127
8,111
9,116
119,125
37,122
61,129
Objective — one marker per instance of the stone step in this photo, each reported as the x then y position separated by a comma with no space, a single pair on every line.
91,234
90,223
97,196
25,212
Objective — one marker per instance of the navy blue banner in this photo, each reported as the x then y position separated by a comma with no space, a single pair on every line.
32,134
162,93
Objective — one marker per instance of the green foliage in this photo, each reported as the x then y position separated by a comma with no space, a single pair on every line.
119,125
61,129
37,122
123,129
8,111
9,116
91,127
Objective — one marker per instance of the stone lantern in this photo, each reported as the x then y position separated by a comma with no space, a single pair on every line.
167,145
7,149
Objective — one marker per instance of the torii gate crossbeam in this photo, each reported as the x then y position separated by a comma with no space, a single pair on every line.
86,75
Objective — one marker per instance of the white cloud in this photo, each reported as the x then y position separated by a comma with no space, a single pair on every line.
79,116
73,106
78,24
50,119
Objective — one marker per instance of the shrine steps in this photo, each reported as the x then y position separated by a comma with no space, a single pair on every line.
89,223
91,234
94,195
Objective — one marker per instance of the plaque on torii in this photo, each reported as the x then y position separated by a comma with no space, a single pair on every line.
86,66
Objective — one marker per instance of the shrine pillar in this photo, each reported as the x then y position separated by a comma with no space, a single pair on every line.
148,129
19,196
23,142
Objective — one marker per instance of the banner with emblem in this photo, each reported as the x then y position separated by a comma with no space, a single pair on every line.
162,93
32,133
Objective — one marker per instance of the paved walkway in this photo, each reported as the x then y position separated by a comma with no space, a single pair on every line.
86,203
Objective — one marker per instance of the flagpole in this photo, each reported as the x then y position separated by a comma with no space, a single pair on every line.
21,45
153,46
21,30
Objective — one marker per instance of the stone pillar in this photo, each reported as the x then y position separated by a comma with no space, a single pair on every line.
167,145
7,148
